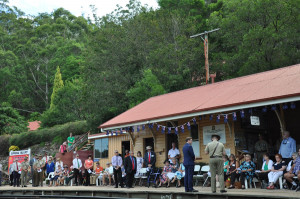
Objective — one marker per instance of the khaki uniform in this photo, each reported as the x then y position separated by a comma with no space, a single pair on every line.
38,176
216,163
261,147
24,174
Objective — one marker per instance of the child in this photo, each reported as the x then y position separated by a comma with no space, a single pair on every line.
57,174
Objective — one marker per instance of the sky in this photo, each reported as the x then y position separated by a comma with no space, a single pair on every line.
76,7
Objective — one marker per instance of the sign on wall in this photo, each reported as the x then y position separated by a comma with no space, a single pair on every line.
208,131
254,120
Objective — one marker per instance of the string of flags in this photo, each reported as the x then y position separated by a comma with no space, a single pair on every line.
219,117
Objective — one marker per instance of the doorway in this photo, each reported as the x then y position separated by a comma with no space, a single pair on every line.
172,137
125,146
148,142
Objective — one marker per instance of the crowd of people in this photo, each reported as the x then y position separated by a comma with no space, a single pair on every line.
231,171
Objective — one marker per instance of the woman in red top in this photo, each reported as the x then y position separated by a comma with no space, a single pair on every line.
88,165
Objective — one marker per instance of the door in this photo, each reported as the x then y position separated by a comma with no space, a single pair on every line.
172,137
125,146
148,142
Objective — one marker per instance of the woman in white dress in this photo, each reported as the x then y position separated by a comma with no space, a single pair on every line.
139,160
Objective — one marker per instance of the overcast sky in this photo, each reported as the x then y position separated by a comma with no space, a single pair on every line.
76,7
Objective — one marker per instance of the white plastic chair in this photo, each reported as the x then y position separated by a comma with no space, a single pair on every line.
51,175
254,180
99,178
141,175
280,182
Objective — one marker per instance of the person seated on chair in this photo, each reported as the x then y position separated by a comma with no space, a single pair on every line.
226,166
57,174
107,174
247,170
292,171
265,169
50,166
163,179
70,175
65,173
232,170
277,170
175,167
180,174
98,173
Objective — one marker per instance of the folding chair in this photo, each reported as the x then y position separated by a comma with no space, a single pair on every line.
206,170
196,170
141,176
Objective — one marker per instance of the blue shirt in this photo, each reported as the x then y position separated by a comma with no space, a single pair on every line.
287,147
50,167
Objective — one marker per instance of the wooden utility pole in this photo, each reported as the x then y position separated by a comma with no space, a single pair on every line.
205,40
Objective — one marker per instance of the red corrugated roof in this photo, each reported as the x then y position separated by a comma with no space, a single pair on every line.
274,84
33,125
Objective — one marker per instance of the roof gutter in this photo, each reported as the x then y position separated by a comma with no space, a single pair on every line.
218,110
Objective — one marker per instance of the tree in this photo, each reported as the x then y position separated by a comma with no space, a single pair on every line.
58,84
10,120
147,87
255,36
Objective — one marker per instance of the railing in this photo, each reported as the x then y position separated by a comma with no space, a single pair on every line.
79,141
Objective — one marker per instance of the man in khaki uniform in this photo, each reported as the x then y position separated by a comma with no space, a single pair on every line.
261,147
216,150
24,173
38,171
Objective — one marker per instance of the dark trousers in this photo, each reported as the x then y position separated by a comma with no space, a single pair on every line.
233,176
11,179
129,179
16,178
263,177
77,176
88,176
118,177
38,178
243,177
188,178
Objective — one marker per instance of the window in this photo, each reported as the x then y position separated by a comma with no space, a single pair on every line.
196,143
101,148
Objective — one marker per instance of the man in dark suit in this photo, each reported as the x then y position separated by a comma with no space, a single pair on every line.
149,157
189,163
130,169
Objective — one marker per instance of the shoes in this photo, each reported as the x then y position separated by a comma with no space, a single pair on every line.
223,191
231,187
294,187
270,187
25,186
194,190
297,189
116,186
213,191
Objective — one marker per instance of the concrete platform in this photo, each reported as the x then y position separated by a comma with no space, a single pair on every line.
144,192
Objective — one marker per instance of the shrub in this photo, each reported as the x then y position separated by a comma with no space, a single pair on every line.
13,148
57,140
4,144
42,144
30,138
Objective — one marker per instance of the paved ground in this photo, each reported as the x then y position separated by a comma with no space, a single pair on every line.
247,192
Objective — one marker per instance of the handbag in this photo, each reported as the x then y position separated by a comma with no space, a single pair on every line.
212,155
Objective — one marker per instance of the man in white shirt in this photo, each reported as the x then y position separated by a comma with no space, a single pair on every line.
46,158
77,164
173,153
117,163
16,168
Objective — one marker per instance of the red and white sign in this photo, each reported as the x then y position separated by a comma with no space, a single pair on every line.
20,155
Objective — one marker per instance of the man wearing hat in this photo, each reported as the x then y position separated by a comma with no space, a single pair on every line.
216,150
149,157
16,168
38,167
24,173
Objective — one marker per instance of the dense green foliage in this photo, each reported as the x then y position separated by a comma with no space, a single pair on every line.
112,63
30,138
